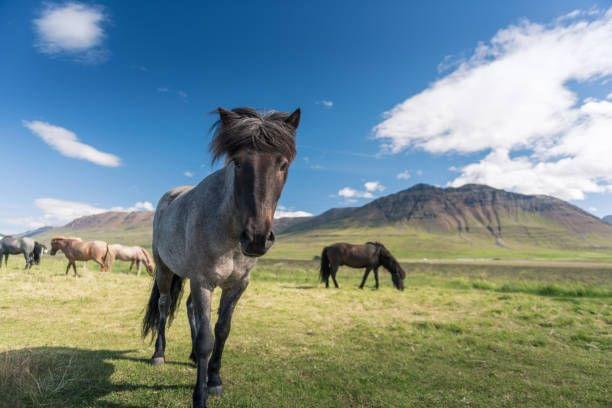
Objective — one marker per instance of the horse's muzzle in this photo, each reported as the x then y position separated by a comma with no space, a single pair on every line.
255,245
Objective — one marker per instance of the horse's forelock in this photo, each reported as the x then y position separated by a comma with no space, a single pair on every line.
246,128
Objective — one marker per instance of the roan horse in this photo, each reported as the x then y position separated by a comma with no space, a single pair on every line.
212,234
76,249
370,256
134,254
31,250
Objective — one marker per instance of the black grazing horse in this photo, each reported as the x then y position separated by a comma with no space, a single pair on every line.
370,256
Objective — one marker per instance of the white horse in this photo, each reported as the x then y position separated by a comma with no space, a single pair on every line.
212,234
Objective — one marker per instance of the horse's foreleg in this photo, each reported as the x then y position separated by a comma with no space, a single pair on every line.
229,299
68,266
138,268
201,297
131,265
74,268
333,275
27,260
376,277
365,277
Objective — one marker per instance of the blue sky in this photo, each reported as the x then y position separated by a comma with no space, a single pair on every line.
392,94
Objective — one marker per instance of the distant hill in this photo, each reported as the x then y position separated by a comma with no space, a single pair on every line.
131,228
608,219
472,220
422,221
472,208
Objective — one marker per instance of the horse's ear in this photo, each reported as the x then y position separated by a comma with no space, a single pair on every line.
227,116
294,119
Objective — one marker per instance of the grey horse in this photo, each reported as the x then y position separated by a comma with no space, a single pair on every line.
212,234
30,249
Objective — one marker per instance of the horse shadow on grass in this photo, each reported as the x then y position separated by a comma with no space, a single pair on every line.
64,376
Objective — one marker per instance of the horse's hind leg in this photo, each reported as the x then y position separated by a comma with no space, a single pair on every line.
163,280
192,327
138,268
74,268
333,275
365,277
229,298
376,277
68,267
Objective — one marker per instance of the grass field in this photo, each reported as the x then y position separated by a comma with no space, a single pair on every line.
460,335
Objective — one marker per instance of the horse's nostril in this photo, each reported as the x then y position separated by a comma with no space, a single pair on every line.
271,237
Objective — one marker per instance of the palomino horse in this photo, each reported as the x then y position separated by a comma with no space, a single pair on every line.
134,254
212,234
370,256
77,250
30,249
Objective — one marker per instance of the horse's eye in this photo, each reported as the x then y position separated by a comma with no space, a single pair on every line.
284,166
236,163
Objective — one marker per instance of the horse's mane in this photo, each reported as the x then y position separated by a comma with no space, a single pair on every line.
387,260
61,237
246,128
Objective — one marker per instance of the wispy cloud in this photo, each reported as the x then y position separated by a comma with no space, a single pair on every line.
511,100
188,174
181,93
68,144
404,175
326,103
73,29
283,212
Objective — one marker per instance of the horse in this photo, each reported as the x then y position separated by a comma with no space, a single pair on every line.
76,249
135,254
39,250
370,256
213,233
20,245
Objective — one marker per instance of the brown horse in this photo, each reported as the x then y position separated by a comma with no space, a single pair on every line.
77,250
134,254
370,256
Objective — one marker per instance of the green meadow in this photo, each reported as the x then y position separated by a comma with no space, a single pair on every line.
460,335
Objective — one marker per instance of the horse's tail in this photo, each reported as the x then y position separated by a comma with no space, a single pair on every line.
108,259
150,321
325,270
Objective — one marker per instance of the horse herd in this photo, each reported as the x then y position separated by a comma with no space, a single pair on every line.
212,234
75,249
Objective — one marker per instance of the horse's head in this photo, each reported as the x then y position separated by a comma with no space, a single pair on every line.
57,244
395,269
39,249
259,149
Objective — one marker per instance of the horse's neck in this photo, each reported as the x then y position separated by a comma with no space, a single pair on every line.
221,204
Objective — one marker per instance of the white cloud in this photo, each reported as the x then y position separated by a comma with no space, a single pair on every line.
188,174
57,212
72,28
326,103
511,99
374,186
67,143
592,209
404,175
283,212
370,187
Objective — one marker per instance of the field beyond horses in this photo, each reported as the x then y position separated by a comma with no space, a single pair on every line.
459,335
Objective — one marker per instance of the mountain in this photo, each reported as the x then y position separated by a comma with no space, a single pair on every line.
472,220
130,228
35,232
470,208
607,219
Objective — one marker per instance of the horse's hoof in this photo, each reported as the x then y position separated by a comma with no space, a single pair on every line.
216,390
157,361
